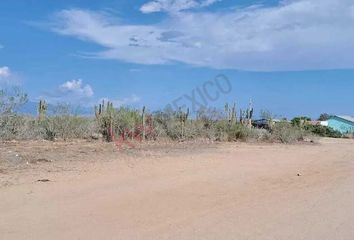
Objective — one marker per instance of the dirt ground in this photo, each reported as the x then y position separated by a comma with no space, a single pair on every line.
90,190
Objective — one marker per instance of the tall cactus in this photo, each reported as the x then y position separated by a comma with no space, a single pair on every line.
143,123
183,117
227,112
104,115
247,115
42,109
231,114
110,111
242,116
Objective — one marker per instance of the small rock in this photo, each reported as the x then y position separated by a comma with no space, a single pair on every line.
298,174
43,180
43,160
39,160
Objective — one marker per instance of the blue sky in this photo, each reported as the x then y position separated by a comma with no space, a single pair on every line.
290,57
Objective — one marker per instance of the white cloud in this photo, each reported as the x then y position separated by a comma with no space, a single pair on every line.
77,93
76,88
294,35
5,72
174,5
8,78
74,91
123,102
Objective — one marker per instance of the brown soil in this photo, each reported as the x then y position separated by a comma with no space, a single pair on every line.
90,190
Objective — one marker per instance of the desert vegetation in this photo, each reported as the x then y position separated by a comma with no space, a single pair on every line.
110,123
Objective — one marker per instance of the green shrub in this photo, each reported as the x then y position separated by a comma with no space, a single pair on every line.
300,121
323,131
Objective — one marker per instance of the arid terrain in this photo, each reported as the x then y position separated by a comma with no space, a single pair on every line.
90,190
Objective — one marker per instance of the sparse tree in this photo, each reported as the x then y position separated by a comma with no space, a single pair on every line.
11,100
324,117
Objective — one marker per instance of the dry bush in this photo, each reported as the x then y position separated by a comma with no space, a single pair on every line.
64,124
16,127
222,129
259,134
30,130
239,132
13,126
11,100
67,127
285,132
168,124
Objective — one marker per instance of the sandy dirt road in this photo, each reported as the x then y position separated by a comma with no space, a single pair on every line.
232,191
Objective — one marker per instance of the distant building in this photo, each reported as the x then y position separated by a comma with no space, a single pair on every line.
318,123
343,124
324,123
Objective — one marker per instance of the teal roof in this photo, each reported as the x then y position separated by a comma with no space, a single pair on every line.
347,118
343,124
